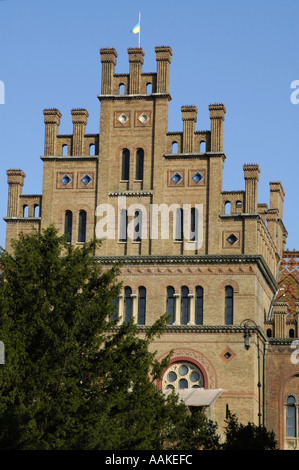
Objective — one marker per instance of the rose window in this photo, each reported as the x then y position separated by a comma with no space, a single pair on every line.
183,375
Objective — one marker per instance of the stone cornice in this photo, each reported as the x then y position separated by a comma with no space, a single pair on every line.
70,158
147,96
195,259
130,193
22,219
177,156
280,341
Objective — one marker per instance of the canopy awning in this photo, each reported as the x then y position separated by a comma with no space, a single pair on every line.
197,396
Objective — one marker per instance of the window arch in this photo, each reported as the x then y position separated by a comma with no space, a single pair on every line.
36,210
291,428
125,174
25,210
291,333
193,219
139,164
141,305
121,89
137,226
82,227
128,304
170,304
202,146
92,149
269,332
149,88
229,305
198,305
68,225
227,207
65,150
174,147
184,305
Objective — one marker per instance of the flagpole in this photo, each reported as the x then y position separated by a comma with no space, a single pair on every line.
139,29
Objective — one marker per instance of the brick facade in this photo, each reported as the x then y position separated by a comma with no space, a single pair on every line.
135,163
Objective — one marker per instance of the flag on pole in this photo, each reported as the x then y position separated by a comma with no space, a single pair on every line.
136,28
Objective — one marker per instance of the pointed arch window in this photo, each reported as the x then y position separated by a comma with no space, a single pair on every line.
139,164
170,304
125,165
68,225
199,305
291,417
82,227
229,305
128,304
141,305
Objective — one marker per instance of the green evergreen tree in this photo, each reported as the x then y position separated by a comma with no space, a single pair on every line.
247,437
72,379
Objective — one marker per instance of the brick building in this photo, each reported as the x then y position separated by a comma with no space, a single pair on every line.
210,258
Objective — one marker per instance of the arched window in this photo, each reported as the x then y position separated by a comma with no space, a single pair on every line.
92,149
229,305
128,304
36,210
149,88
82,227
199,305
137,226
184,305
25,210
202,147
291,417
121,89
170,304
179,224
68,222
174,147
114,310
123,224
291,333
139,164
141,305
65,150
125,165
227,207
269,332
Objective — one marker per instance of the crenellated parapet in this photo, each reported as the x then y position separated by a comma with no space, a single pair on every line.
77,144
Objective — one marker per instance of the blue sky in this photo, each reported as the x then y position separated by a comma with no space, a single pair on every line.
243,54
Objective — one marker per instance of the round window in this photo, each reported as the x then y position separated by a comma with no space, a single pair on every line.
183,375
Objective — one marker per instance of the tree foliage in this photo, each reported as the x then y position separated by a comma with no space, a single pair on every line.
72,379
247,437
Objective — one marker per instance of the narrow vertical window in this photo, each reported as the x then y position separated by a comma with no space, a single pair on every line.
199,306
184,305
179,224
141,305
291,417
128,304
65,150
170,305
139,164
25,210
229,305
123,224
68,222
114,310
125,165
82,227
